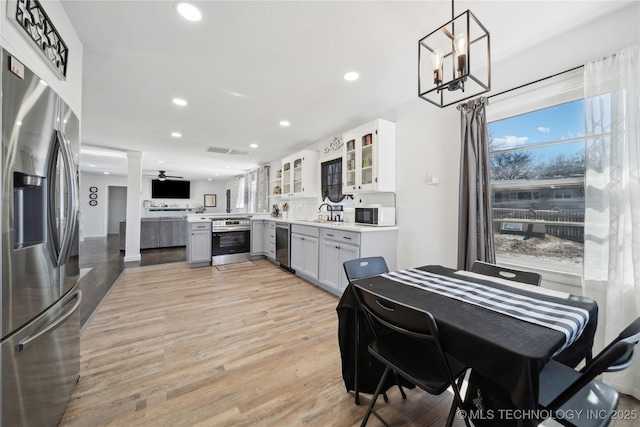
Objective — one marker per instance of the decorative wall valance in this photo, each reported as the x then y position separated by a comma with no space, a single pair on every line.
35,25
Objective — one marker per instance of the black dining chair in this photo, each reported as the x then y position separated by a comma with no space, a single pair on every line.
358,269
493,270
576,398
631,332
412,348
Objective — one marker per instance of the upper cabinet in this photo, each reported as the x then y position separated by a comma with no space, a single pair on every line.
370,158
300,175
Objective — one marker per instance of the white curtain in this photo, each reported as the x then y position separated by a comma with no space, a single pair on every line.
612,199
239,185
251,190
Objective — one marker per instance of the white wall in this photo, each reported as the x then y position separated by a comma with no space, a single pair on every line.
93,219
13,40
198,190
427,143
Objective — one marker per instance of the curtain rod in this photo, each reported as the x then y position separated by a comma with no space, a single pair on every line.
536,81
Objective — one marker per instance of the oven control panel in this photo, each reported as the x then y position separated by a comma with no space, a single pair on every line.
230,222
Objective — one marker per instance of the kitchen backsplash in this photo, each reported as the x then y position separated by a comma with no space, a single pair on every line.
308,208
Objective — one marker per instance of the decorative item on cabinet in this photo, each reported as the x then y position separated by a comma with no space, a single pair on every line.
335,145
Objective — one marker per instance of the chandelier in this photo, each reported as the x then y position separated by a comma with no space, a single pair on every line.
454,61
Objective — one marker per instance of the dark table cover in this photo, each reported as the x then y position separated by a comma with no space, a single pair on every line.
508,351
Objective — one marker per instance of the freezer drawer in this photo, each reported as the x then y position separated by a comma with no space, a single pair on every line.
40,366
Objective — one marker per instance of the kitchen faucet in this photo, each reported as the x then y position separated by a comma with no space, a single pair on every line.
329,209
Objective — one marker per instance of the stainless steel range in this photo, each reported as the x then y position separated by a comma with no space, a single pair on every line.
230,240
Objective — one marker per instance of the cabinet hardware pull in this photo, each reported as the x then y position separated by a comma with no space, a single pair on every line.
345,237
330,235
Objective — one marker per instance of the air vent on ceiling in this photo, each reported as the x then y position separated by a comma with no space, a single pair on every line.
229,151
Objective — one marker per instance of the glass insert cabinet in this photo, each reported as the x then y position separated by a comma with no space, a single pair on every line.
369,158
299,175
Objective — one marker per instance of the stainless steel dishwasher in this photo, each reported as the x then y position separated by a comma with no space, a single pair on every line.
282,245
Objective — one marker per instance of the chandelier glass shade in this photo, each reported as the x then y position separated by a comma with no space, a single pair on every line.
454,61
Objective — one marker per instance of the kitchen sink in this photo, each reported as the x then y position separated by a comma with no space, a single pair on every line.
317,221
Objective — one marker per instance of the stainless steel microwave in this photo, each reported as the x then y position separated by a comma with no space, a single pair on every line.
380,216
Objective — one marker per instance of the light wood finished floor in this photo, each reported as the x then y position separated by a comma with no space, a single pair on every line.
174,346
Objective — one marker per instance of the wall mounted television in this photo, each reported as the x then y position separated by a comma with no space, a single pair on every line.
169,189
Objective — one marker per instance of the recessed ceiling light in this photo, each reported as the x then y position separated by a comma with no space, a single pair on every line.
208,179
179,101
351,76
189,11
284,123
217,174
92,166
106,173
176,134
253,145
227,167
160,161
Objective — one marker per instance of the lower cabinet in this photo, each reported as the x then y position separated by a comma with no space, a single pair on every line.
336,248
304,250
270,239
199,244
317,252
257,237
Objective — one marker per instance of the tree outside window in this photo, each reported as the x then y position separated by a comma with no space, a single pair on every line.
537,165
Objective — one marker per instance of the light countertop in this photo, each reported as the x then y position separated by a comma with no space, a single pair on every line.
331,225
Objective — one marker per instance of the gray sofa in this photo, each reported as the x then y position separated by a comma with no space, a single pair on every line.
158,232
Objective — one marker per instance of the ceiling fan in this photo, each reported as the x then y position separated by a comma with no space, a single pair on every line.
162,176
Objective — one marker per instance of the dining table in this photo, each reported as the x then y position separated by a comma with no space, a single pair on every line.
504,331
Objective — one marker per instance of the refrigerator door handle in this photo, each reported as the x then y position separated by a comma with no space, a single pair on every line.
72,200
52,326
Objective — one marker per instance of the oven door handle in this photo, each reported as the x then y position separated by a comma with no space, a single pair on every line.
222,230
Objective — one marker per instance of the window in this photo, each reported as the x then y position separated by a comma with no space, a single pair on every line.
537,166
251,190
562,194
331,180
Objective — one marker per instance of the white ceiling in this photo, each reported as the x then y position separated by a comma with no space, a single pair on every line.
248,65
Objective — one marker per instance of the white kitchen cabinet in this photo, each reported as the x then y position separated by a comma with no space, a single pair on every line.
300,175
270,239
257,237
369,158
336,248
199,244
305,250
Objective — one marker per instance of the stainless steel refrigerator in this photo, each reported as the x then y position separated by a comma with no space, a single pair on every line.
40,269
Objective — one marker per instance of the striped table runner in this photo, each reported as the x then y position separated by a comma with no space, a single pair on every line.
560,317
